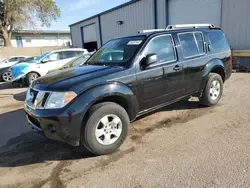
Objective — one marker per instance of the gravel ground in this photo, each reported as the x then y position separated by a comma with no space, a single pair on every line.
183,145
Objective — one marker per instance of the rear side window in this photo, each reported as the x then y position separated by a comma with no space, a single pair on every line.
192,44
218,41
79,52
68,54
21,58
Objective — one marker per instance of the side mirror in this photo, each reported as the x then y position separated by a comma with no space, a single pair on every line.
149,60
45,61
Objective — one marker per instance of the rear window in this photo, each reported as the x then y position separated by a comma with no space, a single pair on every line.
192,44
218,41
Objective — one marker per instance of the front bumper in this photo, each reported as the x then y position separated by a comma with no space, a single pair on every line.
59,125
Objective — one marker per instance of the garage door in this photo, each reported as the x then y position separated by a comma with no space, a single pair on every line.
89,33
194,11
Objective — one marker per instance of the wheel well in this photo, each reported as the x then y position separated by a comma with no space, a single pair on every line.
33,72
118,100
220,71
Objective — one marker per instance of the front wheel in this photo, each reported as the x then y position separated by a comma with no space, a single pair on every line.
213,90
106,128
32,77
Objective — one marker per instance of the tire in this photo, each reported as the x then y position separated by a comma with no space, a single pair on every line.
213,90
6,76
94,135
32,77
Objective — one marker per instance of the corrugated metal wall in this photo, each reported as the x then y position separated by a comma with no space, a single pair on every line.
76,32
161,14
234,19
136,16
236,23
194,11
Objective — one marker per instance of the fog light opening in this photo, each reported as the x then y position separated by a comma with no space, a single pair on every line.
52,128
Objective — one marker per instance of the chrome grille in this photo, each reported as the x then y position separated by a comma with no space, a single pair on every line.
36,99
33,94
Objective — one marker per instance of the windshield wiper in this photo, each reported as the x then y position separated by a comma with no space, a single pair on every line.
95,63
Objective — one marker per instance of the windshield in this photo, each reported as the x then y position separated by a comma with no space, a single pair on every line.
117,51
42,56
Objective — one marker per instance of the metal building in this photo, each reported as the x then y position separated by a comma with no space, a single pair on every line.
231,15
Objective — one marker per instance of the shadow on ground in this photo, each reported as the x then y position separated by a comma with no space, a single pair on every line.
29,147
10,85
20,96
181,105
6,85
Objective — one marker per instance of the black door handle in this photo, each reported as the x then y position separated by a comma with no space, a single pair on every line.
177,68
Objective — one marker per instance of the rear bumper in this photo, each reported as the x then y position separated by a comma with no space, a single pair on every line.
55,126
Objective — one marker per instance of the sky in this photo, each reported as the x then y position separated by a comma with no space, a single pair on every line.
75,10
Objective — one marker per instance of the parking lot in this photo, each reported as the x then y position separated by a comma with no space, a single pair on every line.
183,145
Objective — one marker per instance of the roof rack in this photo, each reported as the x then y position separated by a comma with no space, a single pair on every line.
181,26
150,30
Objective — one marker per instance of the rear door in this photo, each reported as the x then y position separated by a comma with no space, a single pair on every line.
193,54
157,83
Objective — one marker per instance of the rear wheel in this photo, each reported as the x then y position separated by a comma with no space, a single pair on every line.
32,77
213,90
7,76
106,128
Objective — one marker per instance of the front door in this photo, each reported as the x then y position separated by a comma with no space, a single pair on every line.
159,82
51,62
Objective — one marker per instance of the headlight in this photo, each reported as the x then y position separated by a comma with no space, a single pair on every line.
59,99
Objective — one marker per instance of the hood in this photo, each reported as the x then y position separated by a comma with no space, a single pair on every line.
65,79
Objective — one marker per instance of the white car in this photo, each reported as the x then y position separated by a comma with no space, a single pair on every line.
11,61
28,72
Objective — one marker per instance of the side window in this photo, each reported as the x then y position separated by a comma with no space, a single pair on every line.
163,47
54,57
192,44
21,58
218,41
79,53
68,54
200,42
13,59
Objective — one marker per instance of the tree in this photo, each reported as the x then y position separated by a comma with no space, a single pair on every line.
20,13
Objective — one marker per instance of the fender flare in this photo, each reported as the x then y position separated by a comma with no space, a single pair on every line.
97,93
210,66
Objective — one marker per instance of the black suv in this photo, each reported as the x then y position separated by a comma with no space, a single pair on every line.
93,105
